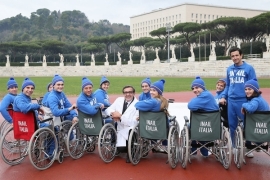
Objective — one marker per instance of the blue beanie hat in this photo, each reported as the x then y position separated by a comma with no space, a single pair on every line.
147,81
11,83
253,84
27,82
103,80
223,80
56,78
85,82
48,86
198,82
158,86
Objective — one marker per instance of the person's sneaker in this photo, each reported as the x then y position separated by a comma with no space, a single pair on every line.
250,155
158,149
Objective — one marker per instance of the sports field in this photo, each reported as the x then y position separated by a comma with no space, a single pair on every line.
73,84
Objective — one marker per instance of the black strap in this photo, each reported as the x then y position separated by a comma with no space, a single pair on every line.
124,107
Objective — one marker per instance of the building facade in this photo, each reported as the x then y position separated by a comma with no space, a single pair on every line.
142,24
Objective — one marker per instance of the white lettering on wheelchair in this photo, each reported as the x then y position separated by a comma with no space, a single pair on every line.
23,129
88,120
205,123
261,128
88,123
151,128
150,122
261,125
22,123
205,129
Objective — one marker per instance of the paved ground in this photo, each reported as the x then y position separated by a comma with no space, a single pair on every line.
90,166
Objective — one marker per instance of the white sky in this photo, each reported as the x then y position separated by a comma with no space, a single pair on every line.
116,11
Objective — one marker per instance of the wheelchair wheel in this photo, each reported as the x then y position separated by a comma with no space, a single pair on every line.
4,126
12,151
239,148
225,146
107,143
146,148
43,148
76,146
134,146
173,146
65,126
184,147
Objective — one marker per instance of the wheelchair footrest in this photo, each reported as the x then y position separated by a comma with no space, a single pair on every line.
254,146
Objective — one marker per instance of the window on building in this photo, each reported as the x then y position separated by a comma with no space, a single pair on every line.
200,15
172,17
179,16
213,16
209,16
191,15
157,20
196,15
175,16
204,16
200,21
169,18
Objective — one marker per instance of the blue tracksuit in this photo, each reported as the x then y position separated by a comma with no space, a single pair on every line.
87,104
256,104
6,101
102,97
237,76
45,97
59,104
205,101
152,105
23,103
144,96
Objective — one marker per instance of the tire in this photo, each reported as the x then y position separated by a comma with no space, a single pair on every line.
13,151
239,148
64,129
135,144
225,149
107,143
184,147
76,146
173,147
40,144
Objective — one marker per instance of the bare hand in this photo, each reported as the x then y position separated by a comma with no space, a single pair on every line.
74,120
74,106
243,111
101,106
138,118
41,111
223,101
40,117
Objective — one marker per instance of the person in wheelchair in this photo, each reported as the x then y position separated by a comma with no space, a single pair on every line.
156,103
102,97
255,102
204,101
220,86
58,102
125,114
145,84
86,101
45,97
8,99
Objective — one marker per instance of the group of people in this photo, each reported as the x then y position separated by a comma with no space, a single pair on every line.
237,92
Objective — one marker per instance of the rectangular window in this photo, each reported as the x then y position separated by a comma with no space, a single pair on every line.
200,15
209,16
204,16
196,15
191,15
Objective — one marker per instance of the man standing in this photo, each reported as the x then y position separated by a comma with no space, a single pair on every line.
125,114
237,75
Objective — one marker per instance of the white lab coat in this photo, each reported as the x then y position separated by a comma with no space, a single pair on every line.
128,119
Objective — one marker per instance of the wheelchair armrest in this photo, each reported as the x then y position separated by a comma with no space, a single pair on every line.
172,118
45,120
186,119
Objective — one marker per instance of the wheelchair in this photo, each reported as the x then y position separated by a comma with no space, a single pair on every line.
255,131
153,126
5,124
89,131
206,128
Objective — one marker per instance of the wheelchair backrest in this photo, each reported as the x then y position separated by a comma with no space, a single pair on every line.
153,125
257,126
24,125
205,126
90,124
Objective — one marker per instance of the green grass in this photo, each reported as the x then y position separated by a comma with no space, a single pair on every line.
73,84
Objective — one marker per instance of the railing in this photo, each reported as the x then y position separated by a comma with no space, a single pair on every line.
250,56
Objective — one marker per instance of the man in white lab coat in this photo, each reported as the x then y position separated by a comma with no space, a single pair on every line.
125,114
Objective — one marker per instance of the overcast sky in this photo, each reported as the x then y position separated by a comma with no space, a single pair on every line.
116,11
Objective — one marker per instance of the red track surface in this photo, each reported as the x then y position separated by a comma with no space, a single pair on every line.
90,166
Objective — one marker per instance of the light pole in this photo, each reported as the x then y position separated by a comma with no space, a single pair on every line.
168,29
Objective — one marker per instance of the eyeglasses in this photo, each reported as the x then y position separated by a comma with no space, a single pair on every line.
128,92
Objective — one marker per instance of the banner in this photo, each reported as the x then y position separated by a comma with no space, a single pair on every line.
90,124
